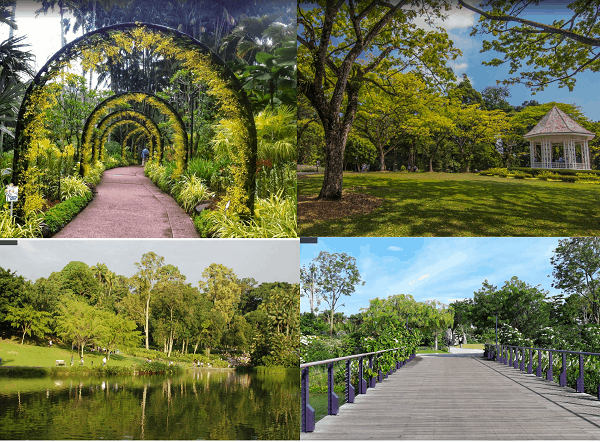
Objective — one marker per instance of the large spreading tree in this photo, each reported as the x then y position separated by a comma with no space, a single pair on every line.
577,271
346,44
558,49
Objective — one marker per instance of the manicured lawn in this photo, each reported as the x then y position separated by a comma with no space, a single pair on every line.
15,354
432,351
441,204
475,346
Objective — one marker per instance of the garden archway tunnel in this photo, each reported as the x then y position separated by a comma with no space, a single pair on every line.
100,136
98,47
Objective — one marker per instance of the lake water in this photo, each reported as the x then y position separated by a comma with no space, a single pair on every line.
204,404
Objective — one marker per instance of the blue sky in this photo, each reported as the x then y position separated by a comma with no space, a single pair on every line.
445,269
458,27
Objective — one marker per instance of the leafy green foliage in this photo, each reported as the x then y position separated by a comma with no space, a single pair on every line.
557,51
74,186
28,320
192,192
337,274
275,218
576,271
331,78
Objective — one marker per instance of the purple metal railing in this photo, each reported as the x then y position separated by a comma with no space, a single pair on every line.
308,412
509,355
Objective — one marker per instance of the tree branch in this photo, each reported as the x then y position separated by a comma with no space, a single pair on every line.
550,29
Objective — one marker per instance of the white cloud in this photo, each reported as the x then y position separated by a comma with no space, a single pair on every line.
411,283
395,249
455,19
459,66
459,18
423,277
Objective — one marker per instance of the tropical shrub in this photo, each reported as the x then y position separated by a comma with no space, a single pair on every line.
546,175
191,192
588,178
569,179
95,174
275,218
10,229
277,179
73,186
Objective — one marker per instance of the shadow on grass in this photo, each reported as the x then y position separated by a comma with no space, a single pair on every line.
463,205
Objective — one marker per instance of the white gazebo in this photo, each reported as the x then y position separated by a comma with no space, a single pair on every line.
557,129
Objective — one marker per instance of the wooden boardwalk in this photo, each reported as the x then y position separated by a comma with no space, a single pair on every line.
463,397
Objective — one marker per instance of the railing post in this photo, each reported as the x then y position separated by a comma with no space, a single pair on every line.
516,361
530,365
522,366
372,381
308,412
349,387
362,384
333,401
563,374
549,374
538,370
510,361
580,378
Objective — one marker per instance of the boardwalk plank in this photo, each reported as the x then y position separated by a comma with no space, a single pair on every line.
458,397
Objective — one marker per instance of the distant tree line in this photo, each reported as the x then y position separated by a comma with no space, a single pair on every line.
157,308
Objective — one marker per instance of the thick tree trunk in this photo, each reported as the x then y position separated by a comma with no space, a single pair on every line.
431,164
381,159
333,178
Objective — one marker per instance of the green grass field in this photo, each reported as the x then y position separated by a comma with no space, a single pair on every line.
442,204
15,354
475,346
432,351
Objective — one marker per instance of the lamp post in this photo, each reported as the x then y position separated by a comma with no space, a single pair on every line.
496,329
496,335
578,321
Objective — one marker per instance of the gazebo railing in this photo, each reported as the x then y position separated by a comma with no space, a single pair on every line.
558,165
308,412
523,359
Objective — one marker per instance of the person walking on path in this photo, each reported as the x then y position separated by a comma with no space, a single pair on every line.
104,361
145,155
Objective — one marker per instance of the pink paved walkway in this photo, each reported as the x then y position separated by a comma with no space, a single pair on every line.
129,205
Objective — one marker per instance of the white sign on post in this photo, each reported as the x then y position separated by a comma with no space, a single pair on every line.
12,193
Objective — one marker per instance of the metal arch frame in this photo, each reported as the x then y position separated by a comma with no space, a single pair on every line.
106,131
70,51
144,131
144,119
106,104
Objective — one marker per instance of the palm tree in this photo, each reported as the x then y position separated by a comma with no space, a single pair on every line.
15,63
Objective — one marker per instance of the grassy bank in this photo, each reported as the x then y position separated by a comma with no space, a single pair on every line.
459,204
15,354
31,361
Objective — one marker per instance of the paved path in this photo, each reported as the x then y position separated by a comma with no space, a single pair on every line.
129,205
463,397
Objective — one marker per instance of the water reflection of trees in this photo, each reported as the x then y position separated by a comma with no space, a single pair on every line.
204,405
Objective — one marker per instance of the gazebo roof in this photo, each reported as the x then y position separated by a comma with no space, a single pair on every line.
556,122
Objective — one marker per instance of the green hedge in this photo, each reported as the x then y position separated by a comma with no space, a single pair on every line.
276,369
569,172
58,216
24,372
